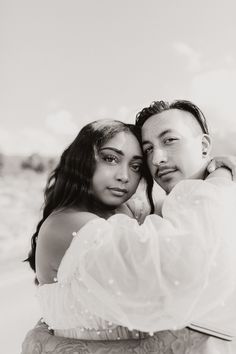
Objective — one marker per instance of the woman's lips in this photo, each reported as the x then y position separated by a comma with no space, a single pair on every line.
118,191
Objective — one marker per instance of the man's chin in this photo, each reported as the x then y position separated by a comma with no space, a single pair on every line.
167,187
169,180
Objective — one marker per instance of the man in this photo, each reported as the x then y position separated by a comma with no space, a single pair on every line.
177,146
176,142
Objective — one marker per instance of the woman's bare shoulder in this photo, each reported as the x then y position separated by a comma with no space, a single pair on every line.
55,237
67,220
59,226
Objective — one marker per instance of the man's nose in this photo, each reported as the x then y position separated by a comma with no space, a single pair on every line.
159,157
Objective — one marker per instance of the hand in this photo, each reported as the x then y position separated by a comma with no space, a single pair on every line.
228,162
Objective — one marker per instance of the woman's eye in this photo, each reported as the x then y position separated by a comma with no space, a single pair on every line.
110,158
148,150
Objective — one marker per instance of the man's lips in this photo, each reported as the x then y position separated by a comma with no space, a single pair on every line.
165,171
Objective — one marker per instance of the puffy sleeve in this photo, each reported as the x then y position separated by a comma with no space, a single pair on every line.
161,274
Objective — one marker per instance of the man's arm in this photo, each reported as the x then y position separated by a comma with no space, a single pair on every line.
228,162
221,172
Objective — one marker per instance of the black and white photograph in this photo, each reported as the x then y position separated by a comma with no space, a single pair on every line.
117,177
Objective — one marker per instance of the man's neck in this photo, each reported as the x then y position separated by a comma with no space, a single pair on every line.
202,172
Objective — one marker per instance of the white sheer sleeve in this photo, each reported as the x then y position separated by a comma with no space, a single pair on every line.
164,273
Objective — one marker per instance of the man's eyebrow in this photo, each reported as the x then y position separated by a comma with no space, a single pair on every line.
167,131
120,152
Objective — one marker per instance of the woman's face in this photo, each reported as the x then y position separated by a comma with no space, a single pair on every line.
118,170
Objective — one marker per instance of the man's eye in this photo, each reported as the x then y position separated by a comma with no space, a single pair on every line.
148,150
170,140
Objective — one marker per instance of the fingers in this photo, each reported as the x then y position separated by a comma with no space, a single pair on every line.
228,162
212,166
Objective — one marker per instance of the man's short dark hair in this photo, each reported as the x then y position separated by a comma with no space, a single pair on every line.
161,106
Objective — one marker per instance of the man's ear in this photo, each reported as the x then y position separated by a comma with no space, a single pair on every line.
206,145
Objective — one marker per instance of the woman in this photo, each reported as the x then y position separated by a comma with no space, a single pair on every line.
96,175
102,203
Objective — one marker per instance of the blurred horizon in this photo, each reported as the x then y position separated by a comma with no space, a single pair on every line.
66,63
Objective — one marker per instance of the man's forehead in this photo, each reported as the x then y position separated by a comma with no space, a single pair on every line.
173,120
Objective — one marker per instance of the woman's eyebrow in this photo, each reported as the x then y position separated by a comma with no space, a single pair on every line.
120,152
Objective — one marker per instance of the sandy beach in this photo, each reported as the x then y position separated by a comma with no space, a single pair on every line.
18,306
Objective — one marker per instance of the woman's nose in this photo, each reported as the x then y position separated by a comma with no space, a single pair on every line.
123,174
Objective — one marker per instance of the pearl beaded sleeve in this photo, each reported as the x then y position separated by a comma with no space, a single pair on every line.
163,274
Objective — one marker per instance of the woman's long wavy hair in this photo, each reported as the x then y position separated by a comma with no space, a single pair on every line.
69,184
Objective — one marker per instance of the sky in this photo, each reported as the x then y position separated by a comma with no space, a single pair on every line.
64,63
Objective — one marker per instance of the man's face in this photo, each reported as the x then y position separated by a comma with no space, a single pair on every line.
174,146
